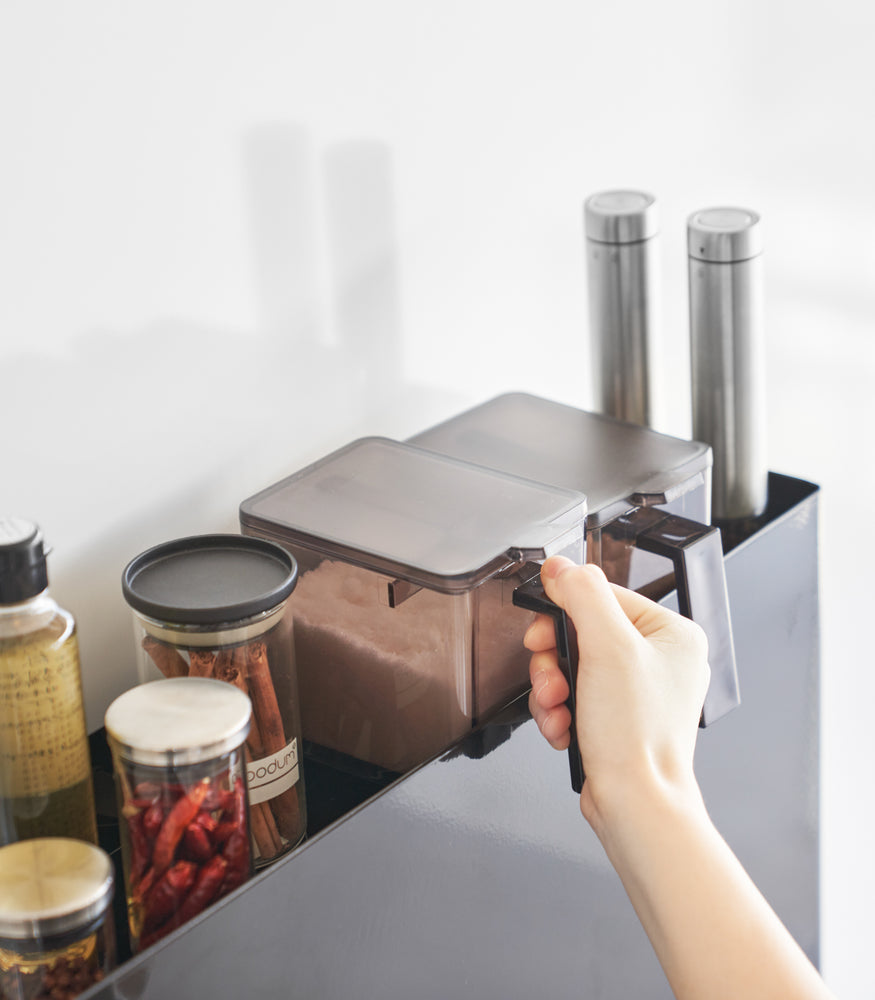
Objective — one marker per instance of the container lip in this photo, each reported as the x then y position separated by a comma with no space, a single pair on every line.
173,582
178,721
53,859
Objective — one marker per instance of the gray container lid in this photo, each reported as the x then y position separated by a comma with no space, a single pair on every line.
411,514
618,466
209,579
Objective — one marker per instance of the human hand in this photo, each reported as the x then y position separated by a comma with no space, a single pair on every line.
642,679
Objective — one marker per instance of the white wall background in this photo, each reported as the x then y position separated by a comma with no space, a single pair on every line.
236,235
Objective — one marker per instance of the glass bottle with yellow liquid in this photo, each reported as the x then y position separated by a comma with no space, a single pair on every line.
45,765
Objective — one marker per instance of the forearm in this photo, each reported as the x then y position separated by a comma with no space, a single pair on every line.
713,932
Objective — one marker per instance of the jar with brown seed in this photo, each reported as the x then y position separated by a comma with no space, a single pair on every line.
56,924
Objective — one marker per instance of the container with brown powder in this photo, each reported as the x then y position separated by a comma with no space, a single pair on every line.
406,635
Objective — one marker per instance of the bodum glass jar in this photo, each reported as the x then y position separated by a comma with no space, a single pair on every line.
177,748
216,606
56,924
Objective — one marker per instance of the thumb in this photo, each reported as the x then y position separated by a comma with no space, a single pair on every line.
584,593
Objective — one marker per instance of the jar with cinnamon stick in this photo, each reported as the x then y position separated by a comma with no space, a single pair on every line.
216,606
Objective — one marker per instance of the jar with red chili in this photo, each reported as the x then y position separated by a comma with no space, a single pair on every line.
178,757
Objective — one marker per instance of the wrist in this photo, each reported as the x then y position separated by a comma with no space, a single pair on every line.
631,804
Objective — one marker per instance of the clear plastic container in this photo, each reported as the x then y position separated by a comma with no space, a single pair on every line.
406,634
56,924
623,468
217,606
177,748
648,504
45,764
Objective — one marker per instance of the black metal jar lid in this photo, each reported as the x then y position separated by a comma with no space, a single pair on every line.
209,579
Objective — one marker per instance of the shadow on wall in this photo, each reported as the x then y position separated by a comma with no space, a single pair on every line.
137,438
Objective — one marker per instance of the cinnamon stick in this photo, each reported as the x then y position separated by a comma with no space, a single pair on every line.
166,658
264,831
287,811
202,663
222,665
263,696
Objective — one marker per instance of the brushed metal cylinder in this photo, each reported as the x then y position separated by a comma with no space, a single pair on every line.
620,227
727,356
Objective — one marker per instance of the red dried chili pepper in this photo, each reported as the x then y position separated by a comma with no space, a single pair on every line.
173,828
137,804
153,817
205,889
237,852
139,889
218,798
148,790
168,893
196,842
207,821
234,816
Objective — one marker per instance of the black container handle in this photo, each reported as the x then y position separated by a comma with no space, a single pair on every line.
696,552
531,596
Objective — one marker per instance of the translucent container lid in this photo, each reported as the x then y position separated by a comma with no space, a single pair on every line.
426,518
51,886
619,466
178,721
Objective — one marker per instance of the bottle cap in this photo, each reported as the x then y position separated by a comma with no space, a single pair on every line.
620,216
22,561
724,235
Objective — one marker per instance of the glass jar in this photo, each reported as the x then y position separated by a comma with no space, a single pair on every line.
56,924
216,606
45,765
177,748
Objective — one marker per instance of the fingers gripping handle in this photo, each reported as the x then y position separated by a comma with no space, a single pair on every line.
697,554
531,596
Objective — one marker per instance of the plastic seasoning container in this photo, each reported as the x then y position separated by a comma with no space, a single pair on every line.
177,748
216,606
406,634
56,925
45,765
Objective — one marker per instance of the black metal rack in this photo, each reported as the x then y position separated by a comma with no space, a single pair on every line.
446,882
